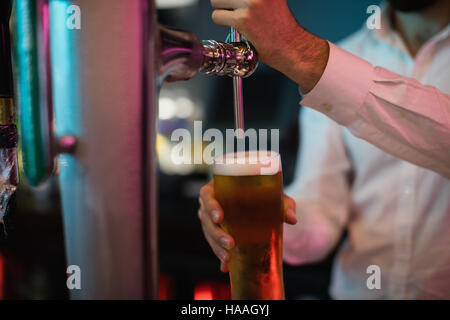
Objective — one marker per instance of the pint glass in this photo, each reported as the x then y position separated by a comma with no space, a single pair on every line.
249,187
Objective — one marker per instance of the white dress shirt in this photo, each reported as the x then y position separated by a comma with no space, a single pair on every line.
397,214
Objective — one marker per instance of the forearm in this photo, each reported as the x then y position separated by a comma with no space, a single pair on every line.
280,42
397,114
313,238
304,59
320,189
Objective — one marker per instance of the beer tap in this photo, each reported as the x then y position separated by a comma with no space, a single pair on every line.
183,55
88,94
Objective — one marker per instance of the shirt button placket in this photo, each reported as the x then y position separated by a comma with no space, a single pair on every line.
404,221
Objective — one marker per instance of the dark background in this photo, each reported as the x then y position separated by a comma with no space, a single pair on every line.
32,257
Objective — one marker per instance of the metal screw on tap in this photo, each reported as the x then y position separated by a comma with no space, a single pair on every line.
66,144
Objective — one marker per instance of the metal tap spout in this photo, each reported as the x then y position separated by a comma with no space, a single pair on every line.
235,59
183,55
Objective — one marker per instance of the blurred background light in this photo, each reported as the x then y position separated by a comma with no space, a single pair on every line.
169,4
203,291
212,290
167,108
185,107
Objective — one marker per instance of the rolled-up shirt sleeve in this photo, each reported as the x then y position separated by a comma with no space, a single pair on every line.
397,114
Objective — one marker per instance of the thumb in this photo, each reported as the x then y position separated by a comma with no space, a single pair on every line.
289,210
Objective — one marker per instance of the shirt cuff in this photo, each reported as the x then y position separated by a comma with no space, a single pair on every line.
342,88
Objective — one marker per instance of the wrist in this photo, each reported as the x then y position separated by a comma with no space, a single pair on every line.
306,60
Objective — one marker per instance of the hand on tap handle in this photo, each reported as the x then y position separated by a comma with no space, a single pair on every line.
280,42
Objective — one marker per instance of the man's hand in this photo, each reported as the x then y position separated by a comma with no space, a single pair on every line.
279,40
211,215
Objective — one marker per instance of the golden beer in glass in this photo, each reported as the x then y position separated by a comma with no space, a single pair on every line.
249,187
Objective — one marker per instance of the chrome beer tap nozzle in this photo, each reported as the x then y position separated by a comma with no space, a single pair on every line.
231,59
182,56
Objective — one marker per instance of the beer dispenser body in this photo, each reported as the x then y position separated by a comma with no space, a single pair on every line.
104,94
100,76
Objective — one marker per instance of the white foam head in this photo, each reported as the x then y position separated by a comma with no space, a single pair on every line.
248,163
